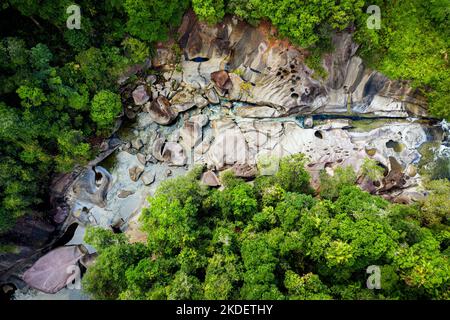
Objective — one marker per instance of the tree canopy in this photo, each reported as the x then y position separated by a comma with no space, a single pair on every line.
58,87
262,241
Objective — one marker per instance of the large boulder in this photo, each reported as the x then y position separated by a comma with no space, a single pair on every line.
137,143
191,134
160,111
141,158
272,72
201,119
53,271
135,172
244,170
140,95
148,177
182,101
212,96
173,153
200,101
124,194
157,148
221,80
209,178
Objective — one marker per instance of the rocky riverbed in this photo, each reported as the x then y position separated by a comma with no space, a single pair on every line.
236,98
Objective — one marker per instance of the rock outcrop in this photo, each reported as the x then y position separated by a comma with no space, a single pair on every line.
92,186
55,270
270,72
209,178
160,111
174,154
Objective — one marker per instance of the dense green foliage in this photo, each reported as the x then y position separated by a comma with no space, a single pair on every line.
307,23
412,44
150,20
262,241
106,106
58,88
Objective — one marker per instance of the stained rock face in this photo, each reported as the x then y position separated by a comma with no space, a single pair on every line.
161,112
221,80
51,272
210,179
244,170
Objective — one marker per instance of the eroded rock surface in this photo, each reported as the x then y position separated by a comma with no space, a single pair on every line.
273,73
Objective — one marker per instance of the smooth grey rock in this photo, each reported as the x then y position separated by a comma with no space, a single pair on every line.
183,107
201,119
308,122
228,148
124,194
331,124
141,158
157,148
151,79
167,75
92,186
212,96
148,177
88,259
244,170
137,143
221,80
200,101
